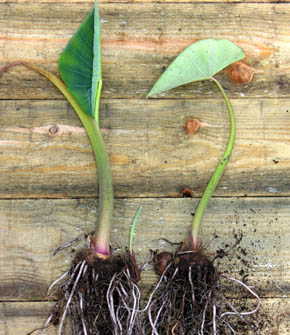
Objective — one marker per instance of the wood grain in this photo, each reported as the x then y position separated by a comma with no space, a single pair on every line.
254,232
48,177
140,40
138,1
18,318
45,152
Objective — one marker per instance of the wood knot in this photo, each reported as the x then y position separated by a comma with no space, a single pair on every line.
192,126
240,73
53,130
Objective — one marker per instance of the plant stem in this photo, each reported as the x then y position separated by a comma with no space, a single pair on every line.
198,216
101,238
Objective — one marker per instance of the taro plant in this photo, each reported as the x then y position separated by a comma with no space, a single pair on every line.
99,291
189,296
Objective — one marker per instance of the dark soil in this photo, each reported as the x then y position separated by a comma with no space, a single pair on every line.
189,298
100,296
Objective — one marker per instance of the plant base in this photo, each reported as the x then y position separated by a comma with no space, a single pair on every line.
99,296
190,298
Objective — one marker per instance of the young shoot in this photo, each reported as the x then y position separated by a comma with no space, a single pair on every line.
188,298
132,231
201,61
81,71
99,292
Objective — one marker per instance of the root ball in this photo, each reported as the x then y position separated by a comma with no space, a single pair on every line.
99,295
189,297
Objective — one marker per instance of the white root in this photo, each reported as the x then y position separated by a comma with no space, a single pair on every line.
56,281
70,297
214,319
248,289
231,328
191,284
110,300
44,328
82,314
155,289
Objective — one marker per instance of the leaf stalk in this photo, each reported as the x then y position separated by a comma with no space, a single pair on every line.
101,237
215,178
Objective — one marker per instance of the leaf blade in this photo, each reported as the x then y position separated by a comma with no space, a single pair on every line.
200,61
80,64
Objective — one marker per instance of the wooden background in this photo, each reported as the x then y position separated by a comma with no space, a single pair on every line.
48,178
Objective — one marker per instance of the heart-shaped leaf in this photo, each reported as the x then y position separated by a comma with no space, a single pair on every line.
200,61
80,64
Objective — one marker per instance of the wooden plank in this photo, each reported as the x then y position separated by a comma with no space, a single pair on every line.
140,40
254,232
45,151
22,318
18,318
137,1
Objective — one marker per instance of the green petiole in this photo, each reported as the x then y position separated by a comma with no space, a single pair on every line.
215,178
101,238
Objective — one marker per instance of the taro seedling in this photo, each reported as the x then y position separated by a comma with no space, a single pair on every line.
99,292
189,296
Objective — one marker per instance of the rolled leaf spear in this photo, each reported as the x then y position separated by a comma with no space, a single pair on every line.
188,298
99,292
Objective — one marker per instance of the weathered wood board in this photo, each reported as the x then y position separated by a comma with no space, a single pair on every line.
253,231
134,1
20,318
47,172
45,151
139,40
32,229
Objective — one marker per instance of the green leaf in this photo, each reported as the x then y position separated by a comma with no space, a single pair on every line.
80,64
200,61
